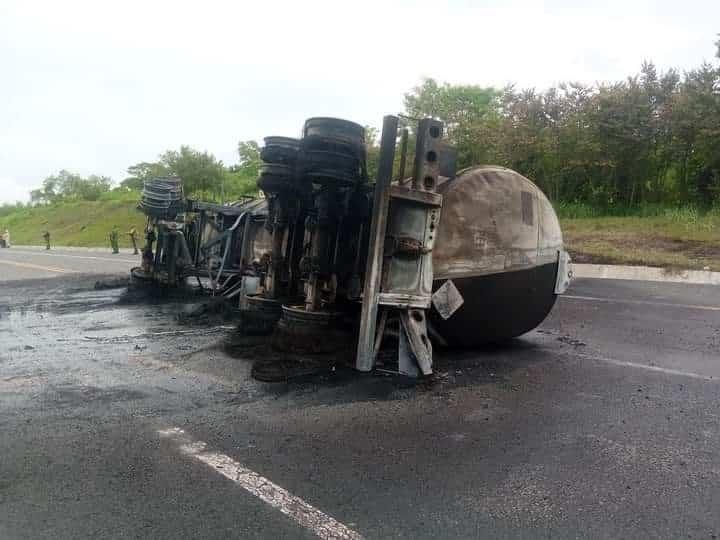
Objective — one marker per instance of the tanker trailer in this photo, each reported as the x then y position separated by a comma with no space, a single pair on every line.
499,252
328,258
460,259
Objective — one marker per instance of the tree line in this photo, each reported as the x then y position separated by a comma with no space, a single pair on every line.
204,176
652,138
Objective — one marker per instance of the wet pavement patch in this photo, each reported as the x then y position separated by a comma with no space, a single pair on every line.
112,283
77,396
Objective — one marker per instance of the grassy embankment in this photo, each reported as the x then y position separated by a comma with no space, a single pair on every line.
81,223
651,236
654,236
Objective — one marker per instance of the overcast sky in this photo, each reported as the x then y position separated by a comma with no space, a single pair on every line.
95,86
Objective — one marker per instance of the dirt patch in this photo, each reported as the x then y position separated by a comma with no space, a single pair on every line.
643,249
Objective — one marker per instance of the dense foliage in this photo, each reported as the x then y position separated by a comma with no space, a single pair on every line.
68,186
203,175
653,138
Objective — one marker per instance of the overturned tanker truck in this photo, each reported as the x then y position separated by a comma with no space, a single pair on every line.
325,257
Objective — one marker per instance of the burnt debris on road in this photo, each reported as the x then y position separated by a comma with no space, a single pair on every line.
601,423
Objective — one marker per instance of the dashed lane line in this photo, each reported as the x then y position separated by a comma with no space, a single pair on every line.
38,267
647,367
292,506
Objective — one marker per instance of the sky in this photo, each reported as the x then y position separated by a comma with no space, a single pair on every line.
95,86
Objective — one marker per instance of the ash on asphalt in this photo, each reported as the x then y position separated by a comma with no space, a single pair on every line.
562,433
175,325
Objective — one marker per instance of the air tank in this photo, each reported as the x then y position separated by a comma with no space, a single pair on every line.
499,242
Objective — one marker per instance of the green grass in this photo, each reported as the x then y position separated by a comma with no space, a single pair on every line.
665,237
80,223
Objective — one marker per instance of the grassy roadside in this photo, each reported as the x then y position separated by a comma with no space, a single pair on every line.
674,240
671,239
81,223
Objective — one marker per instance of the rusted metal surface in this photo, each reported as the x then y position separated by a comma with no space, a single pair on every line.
500,242
494,220
423,197
414,326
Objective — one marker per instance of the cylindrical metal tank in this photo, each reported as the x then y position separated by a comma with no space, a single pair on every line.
499,241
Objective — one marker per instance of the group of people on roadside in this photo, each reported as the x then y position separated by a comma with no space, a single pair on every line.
114,239
114,236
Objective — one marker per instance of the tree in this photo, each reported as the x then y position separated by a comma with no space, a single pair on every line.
140,172
250,162
201,172
47,193
653,137
466,110
66,186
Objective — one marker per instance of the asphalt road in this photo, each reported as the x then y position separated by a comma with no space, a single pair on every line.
117,422
26,263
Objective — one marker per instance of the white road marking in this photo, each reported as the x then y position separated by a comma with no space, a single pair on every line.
37,267
89,257
625,363
294,507
640,302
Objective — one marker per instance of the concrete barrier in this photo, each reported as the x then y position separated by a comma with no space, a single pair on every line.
646,273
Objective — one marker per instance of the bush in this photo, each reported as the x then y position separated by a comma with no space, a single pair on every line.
682,214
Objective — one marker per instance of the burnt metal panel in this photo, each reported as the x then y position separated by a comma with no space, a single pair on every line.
424,197
448,160
488,226
427,154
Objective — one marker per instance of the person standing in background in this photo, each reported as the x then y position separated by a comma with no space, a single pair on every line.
114,239
132,233
46,236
